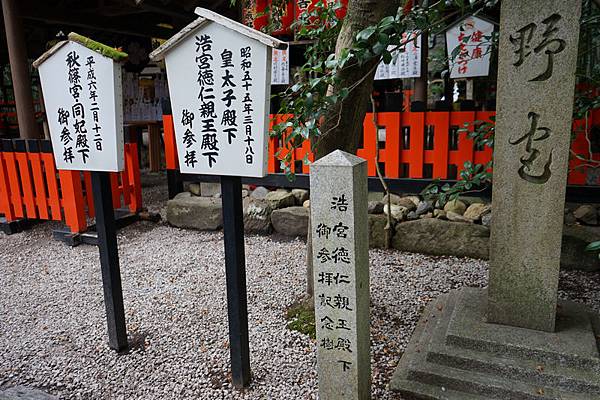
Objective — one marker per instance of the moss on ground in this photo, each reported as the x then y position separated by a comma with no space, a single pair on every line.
301,317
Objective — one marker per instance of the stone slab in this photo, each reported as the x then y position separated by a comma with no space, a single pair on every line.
573,343
195,212
531,153
339,235
433,369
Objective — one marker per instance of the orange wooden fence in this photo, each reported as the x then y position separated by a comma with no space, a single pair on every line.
418,145
32,188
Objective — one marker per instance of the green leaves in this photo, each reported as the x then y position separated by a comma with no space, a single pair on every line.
366,34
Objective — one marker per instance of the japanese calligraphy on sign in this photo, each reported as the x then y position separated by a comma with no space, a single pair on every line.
406,61
280,67
219,74
83,102
470,42
340,277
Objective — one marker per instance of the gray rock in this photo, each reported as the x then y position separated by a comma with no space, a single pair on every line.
424,207
377,224
405,202
486,220
301,195
415,199
280,199
455,206
195,212
260,192
476,210
586,214
291,221
441,214
210,189
437,237
394,198
194,188
454,217
397,212
412,216
375,207
257,217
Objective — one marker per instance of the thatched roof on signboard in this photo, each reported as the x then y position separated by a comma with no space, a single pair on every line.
98,47
205,16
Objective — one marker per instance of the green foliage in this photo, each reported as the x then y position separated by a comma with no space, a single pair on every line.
594,246
472,178
301,317
318,90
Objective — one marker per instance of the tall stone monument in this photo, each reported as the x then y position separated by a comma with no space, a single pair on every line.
340,241
512,341
536,83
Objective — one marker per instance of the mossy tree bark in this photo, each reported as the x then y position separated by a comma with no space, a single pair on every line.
344,125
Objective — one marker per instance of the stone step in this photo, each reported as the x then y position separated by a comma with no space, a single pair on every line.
431,368
483,384
574,345
562,378
419,391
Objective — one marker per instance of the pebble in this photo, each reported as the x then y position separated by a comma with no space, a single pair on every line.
53,328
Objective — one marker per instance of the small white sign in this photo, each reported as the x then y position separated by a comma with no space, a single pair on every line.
220,82
280,71
82,95
406,61
471,37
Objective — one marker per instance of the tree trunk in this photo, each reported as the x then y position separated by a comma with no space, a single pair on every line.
344,124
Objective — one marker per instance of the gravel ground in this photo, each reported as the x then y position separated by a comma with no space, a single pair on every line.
53,332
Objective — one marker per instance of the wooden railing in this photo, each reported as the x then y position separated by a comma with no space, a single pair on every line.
417,145
32,188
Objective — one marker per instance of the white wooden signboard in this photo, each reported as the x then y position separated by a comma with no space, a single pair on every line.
82,95
219,74
280,67
473,58
406,62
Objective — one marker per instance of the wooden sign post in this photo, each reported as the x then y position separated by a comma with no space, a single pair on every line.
219,74
81,80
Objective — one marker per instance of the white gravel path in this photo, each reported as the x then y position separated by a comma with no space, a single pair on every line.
53,331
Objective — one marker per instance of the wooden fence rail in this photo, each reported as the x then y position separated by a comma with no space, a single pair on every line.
419,145
31,187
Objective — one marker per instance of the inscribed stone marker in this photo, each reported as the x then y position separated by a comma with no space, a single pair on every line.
341,275
536,82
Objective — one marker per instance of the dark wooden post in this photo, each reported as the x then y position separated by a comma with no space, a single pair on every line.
19,68
109,260
235,270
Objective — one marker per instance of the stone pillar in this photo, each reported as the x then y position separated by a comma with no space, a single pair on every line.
536,82
340,239
17,53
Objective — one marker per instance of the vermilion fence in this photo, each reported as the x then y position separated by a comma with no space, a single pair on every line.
420,145
31,187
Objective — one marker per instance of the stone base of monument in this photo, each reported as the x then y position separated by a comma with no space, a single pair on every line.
455,354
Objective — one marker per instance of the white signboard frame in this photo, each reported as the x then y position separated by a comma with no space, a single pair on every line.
473,58
406,62
217,155
82,96
280,71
